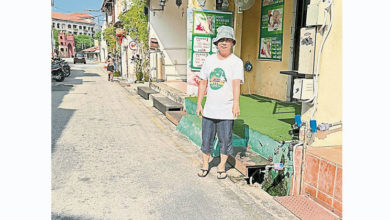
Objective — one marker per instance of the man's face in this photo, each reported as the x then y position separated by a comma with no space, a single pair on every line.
224,46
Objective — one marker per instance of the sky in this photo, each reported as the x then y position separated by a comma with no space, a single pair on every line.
71,6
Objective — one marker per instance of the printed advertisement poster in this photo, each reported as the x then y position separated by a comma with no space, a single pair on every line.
271,30
202,28
201,44
199,58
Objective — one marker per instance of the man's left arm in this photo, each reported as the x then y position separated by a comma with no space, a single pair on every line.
236,97
238,79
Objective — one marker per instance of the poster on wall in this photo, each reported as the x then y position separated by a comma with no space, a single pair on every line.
202,28
271,30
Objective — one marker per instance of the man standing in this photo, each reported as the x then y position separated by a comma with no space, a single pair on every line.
222,74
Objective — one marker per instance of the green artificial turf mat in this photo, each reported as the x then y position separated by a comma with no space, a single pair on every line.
267,116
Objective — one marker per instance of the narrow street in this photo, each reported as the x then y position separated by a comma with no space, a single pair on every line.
116,157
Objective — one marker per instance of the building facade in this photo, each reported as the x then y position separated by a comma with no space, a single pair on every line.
75,23
66,46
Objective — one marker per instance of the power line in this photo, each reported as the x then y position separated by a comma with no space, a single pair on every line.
62,9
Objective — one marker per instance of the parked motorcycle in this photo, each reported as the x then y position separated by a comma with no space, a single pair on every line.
56,72
64,65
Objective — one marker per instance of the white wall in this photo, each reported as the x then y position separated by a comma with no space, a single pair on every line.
169,27
103,45
128,73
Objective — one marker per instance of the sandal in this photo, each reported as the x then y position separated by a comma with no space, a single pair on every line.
219,175
204,173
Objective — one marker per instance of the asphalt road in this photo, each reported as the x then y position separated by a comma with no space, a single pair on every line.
116,157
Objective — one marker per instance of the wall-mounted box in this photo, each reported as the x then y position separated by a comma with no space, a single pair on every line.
307,50
315,13
303,89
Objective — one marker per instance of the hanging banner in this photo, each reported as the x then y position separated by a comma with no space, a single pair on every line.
271,30
202,28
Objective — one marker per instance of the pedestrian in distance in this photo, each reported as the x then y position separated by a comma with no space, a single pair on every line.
110,67
221,74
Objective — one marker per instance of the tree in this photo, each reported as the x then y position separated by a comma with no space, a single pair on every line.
82,42
109,37
135,22
98,35
55,36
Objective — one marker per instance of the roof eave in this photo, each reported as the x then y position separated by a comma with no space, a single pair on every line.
102,8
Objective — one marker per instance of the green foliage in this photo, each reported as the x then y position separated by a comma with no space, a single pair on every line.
276,185
82,42
55,36
139,73
117,74
109,37
98,36
135,22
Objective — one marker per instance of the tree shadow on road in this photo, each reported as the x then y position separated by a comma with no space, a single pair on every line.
60,116
89,75
63,217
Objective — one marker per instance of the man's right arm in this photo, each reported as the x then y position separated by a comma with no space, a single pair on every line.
201,92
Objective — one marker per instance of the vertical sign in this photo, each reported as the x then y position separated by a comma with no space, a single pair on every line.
271,30
202,28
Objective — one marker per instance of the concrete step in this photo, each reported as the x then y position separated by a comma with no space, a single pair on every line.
246,160
175,116
168,91
164,104
144,92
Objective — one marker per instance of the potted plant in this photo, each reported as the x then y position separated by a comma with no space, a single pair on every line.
120,33
139,74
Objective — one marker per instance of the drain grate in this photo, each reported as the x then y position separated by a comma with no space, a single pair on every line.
305,208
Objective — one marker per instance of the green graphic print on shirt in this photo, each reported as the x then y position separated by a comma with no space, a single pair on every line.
217,78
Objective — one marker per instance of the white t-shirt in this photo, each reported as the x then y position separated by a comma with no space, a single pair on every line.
220,75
